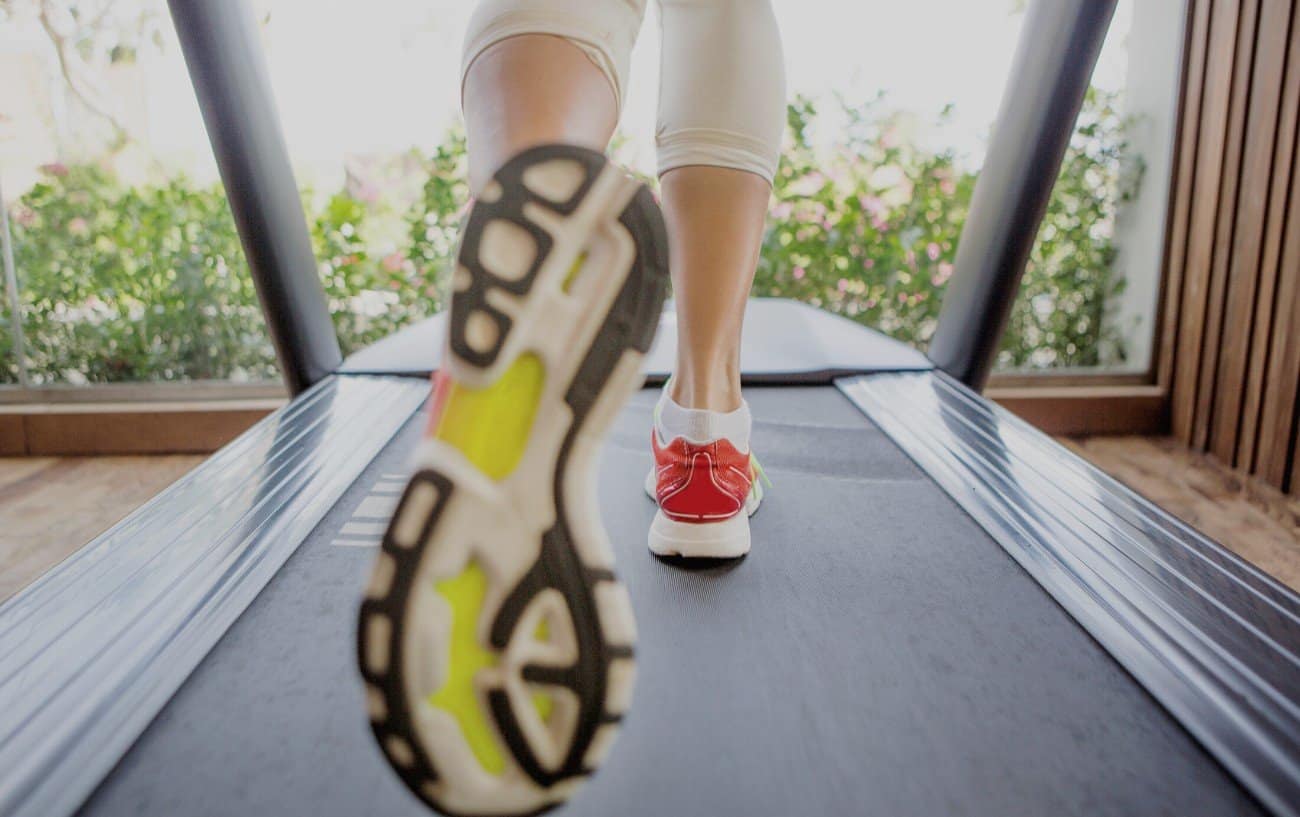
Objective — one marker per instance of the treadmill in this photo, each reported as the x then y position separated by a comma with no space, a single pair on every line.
945,612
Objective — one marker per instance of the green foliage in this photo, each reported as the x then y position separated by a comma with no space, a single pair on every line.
870,229
1060,316
133,283
147,282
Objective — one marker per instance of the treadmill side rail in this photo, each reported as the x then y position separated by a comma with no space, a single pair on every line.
92,651
1213,639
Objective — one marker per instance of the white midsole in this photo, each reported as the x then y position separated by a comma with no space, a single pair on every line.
725,539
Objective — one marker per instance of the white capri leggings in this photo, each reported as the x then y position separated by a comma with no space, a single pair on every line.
721,74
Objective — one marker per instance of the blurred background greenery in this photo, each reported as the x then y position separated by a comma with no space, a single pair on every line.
130,282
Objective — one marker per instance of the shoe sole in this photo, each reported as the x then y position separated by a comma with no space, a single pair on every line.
495,642
724,539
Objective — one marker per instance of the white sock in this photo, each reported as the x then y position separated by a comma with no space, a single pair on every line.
701,425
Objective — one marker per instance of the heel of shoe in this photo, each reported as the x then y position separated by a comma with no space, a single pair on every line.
725,539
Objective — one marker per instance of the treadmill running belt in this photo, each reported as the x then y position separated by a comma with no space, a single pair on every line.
877,653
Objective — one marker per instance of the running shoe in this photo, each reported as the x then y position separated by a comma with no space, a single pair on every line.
705,480
495,642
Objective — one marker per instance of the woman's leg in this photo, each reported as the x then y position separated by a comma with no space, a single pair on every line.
721,116
496,644
715,225
538,71
529,90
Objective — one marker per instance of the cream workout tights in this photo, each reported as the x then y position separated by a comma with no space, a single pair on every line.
722,79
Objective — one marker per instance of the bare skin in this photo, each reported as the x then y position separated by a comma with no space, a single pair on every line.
534,89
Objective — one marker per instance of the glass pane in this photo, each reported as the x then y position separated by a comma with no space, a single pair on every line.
130,268
892,114
127,258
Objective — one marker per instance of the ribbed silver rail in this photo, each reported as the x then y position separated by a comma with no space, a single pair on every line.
91,651
1215,640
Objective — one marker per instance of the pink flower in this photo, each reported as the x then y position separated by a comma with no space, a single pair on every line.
869,263
78,226
25,216
798,273
909,258
932,250
872,204
947,187
782,210
902,297
367,192
392,262
889,137
941,277
55,169
842,286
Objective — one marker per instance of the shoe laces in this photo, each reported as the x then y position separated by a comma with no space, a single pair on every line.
757,468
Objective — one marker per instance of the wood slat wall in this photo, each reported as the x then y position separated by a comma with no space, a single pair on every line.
1230,350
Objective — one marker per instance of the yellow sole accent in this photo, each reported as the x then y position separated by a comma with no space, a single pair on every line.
572,274
490,426
542,701
465,594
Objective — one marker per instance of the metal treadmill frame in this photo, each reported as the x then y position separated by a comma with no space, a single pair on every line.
1213,639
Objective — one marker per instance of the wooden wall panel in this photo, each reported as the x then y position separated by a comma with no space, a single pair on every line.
1250,214
1270,272
1231,339
1278,420
1225,219
1203,194
1181,186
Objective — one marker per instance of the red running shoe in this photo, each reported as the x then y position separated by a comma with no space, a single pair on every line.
705,480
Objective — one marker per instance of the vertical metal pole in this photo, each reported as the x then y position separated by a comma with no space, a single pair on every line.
11,287
228,70
1054,60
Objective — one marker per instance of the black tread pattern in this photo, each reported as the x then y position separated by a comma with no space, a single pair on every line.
398,722
509,206
630,323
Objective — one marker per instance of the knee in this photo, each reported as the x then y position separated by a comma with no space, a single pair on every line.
604,31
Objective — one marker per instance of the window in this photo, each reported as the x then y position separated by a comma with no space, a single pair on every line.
128,267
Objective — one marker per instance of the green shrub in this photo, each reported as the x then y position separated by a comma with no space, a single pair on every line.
147,282
870,229
133,283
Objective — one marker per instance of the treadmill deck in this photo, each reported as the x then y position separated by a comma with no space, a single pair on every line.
877,653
